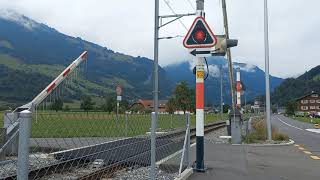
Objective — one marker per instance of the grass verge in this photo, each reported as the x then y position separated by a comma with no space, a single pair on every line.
308,120
259,133
102,124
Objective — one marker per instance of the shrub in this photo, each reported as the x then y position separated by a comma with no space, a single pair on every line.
259,133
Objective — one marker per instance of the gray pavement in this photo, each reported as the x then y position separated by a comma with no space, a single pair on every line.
252,163
241,162
297,131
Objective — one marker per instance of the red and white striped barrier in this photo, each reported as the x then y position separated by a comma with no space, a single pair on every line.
238,89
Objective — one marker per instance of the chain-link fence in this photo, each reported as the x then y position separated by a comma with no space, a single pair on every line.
95,145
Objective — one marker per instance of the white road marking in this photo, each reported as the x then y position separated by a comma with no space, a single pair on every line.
289,124
307,152
314,130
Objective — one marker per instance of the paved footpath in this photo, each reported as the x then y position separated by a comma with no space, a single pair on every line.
227,162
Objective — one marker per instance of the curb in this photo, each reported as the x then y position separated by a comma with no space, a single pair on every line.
291,142
185,174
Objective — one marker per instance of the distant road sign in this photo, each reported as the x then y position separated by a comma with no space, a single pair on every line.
119,90
200,35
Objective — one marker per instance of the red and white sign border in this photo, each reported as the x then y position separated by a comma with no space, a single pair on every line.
199,45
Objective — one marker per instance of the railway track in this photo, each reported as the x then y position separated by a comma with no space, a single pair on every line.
117,155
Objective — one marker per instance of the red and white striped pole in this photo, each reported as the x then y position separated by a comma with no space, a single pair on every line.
200,114
200,103
238,88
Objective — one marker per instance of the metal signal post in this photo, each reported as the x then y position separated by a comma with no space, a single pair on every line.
200,103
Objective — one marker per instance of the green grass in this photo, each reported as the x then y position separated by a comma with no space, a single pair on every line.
308,119
1,118
259,133
101,124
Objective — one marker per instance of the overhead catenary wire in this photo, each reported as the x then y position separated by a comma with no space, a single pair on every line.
173,11
192,6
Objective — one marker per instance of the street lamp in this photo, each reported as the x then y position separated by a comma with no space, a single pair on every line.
267,74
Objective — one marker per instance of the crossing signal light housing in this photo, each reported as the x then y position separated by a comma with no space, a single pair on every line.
223,44
200,35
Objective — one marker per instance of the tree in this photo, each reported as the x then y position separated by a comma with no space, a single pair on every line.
66,108
184,97
171,106
291,108
57,105
226,108
124,105
86,104
109,105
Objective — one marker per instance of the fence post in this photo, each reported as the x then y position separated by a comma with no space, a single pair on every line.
153,146
23,150
126,124
3,137
171,125
188,142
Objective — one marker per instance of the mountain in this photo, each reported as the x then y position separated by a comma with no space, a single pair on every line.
33,54
252,77
293,88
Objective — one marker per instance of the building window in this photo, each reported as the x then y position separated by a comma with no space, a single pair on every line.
312,101
318,107
304,101
304,107
314,95
318,101
312,107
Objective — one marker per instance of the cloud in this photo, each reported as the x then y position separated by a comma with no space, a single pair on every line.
246,67
16,17
127,26
214,71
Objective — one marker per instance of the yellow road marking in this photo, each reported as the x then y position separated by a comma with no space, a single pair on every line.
301,148
315,157
307,152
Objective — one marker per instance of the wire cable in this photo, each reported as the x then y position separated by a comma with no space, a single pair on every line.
207,75
191,5
172,10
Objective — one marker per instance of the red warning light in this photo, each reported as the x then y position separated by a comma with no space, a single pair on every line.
200,36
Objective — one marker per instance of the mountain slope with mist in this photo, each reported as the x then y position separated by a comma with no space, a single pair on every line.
31,50
252,77
33,54
293,88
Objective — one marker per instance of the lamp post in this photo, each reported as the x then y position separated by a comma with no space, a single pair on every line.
267,75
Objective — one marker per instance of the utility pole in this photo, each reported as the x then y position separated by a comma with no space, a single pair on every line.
157,26
200,102
221,92
266,46
155,62
226,28
155,93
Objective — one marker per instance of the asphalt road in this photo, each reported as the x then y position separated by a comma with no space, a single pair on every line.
299,132
242,162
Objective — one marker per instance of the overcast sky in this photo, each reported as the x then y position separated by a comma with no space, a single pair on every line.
127,26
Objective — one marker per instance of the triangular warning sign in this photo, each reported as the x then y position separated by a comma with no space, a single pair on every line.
200,35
